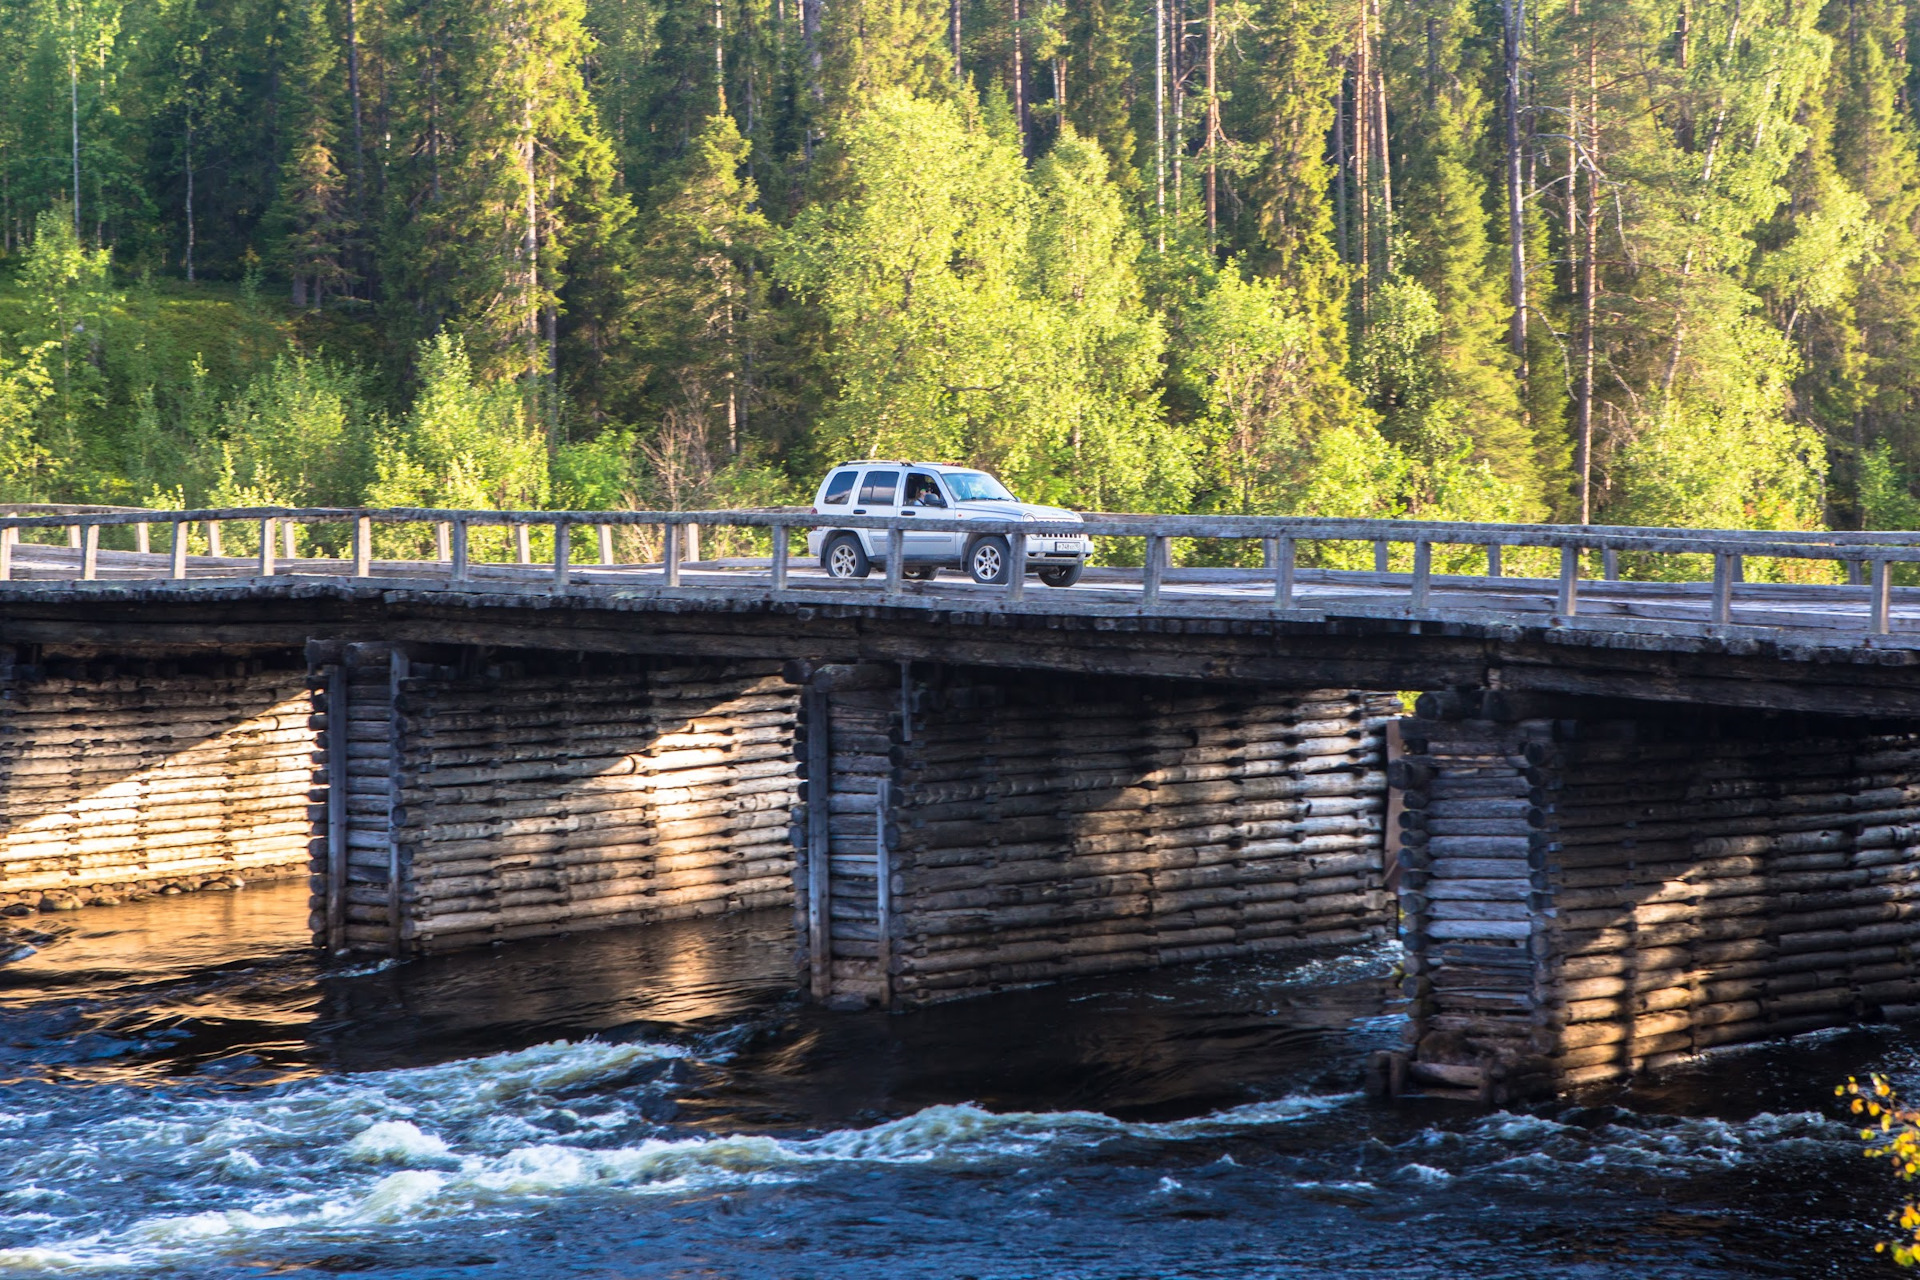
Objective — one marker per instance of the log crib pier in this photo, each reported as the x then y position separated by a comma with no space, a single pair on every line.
1591,890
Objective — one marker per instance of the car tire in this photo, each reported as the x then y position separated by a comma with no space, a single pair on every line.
987,560
1062,575
844,557
921,572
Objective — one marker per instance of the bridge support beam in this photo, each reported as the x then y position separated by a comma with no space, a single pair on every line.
966,830
470,795
148,774
1590,890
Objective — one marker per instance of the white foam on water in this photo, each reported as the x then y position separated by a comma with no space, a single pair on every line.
1533,1148
1425,1173
457,1132
396,1141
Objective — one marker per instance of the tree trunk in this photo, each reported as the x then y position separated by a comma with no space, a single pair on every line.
1589,276
73,91
959,68
1386,162
1176,77
1160,121
531,248
1340,210
1213,130
1513,14
1020,113
189,152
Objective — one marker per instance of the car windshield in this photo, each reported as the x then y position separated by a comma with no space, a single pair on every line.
976,486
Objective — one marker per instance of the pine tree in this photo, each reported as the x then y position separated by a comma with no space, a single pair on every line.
1294,84
1449,254
313,192
695,300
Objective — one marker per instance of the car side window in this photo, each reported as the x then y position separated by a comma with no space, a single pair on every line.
839,488
879,488
922,491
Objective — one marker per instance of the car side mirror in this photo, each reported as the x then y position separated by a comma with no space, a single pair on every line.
932,500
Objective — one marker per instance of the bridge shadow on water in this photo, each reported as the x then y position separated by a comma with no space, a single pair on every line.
224,990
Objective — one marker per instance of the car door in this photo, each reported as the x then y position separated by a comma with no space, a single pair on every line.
879,496
924,499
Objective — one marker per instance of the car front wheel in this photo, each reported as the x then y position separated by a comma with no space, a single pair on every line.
1062,575
987,562
844,557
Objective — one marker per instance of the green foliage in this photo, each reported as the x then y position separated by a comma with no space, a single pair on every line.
68,291
298,435
839,242
1886,493
466,444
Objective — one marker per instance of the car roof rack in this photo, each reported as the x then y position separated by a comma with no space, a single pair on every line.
881,462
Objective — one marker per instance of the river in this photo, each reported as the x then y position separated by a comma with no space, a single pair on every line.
187,1092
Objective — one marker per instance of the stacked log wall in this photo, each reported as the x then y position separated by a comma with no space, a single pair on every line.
1037,828
1589,899
541,795
149,775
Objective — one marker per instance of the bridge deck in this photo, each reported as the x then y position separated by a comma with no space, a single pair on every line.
1797,614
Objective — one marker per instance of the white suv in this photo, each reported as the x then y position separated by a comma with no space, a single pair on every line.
873,487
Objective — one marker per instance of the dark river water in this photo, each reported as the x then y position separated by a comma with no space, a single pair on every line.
187,1093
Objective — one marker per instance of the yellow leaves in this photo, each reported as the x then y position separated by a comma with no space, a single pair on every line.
1899,1129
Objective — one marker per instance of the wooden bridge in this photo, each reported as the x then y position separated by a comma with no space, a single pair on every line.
1635,815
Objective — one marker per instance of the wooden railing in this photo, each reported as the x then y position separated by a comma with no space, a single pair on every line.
1868,558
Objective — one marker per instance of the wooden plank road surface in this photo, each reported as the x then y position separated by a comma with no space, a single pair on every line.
1852,641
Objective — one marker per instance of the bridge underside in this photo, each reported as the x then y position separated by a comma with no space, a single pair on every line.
1592,890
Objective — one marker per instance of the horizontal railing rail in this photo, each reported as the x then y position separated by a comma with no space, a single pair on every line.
1869,556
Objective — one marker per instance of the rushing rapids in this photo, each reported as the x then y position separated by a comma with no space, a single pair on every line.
189,1094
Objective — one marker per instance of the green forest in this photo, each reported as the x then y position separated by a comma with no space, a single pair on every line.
1623,261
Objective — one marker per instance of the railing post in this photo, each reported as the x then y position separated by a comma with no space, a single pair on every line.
522,545
442,541
8,537
1610,564
142,539
461,569
1422,573
1493,560
213,538
606,544
1380,555
562,554
363,547
670,552
177,553
1857,573
1722,587
896,553
1879,610
1283,558
90,553
287,546
267,535
1017,566
1569,602
1150,577
779,532
73,537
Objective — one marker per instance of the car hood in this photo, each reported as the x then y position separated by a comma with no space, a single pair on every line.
1018,511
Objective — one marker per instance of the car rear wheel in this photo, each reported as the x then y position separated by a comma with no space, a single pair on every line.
1062,575
987,562
844,557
